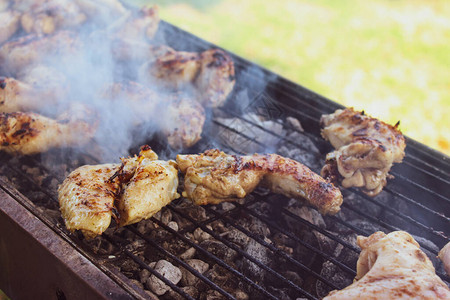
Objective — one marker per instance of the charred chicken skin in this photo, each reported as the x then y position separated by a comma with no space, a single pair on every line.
392,266
30,133
365,147
213,177
130,192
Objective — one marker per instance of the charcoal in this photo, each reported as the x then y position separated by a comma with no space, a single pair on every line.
241,295
189,279
332,273
220,250
221,277
173,225
213,295
169,271
200,235
173,295
188,254
145,226
259,253
280,293
237,237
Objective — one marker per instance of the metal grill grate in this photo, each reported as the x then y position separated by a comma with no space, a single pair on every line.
421,185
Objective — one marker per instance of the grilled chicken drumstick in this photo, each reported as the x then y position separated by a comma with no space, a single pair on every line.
213,177
365,147
392,266
30,133
131,192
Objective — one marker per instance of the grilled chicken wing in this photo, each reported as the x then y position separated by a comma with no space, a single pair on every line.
209,75
9,24
393,267
444,256
148,184
22,52
30,133
39,87
213,177
365,147
86,198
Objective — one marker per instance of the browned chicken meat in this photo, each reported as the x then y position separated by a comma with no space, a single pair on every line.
86,198
393,267
365,147
139,26
40,86
176,115
20,53
209,75
9,24
148,184
47,16
213,177
130,192
30,133
444,256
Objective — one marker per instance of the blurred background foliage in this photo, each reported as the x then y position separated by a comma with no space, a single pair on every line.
390,58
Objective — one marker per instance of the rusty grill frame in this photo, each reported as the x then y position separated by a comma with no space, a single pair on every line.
422,182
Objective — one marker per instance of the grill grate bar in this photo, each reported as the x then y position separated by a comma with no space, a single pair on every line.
447,200
397,213
181,262
245,254
444,180
286,256
400,214
213,257
144,265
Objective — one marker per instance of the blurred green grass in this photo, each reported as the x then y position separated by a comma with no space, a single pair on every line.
390,58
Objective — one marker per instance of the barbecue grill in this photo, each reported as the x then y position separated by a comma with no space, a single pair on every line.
264,247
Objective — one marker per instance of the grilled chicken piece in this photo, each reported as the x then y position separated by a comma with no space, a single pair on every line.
393,267
365,147
86,198
444,256
9,24
30,133
139,26
40,87
46,16
148,184
213,177
208,75
20,53
177,116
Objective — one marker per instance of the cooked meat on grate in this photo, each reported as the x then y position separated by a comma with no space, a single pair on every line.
40,87
131,192
365,147
393,267
45,17
9,24
17,54
140,25
30,133
148,184
213,177
179,117
209,75
444,256
86,198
